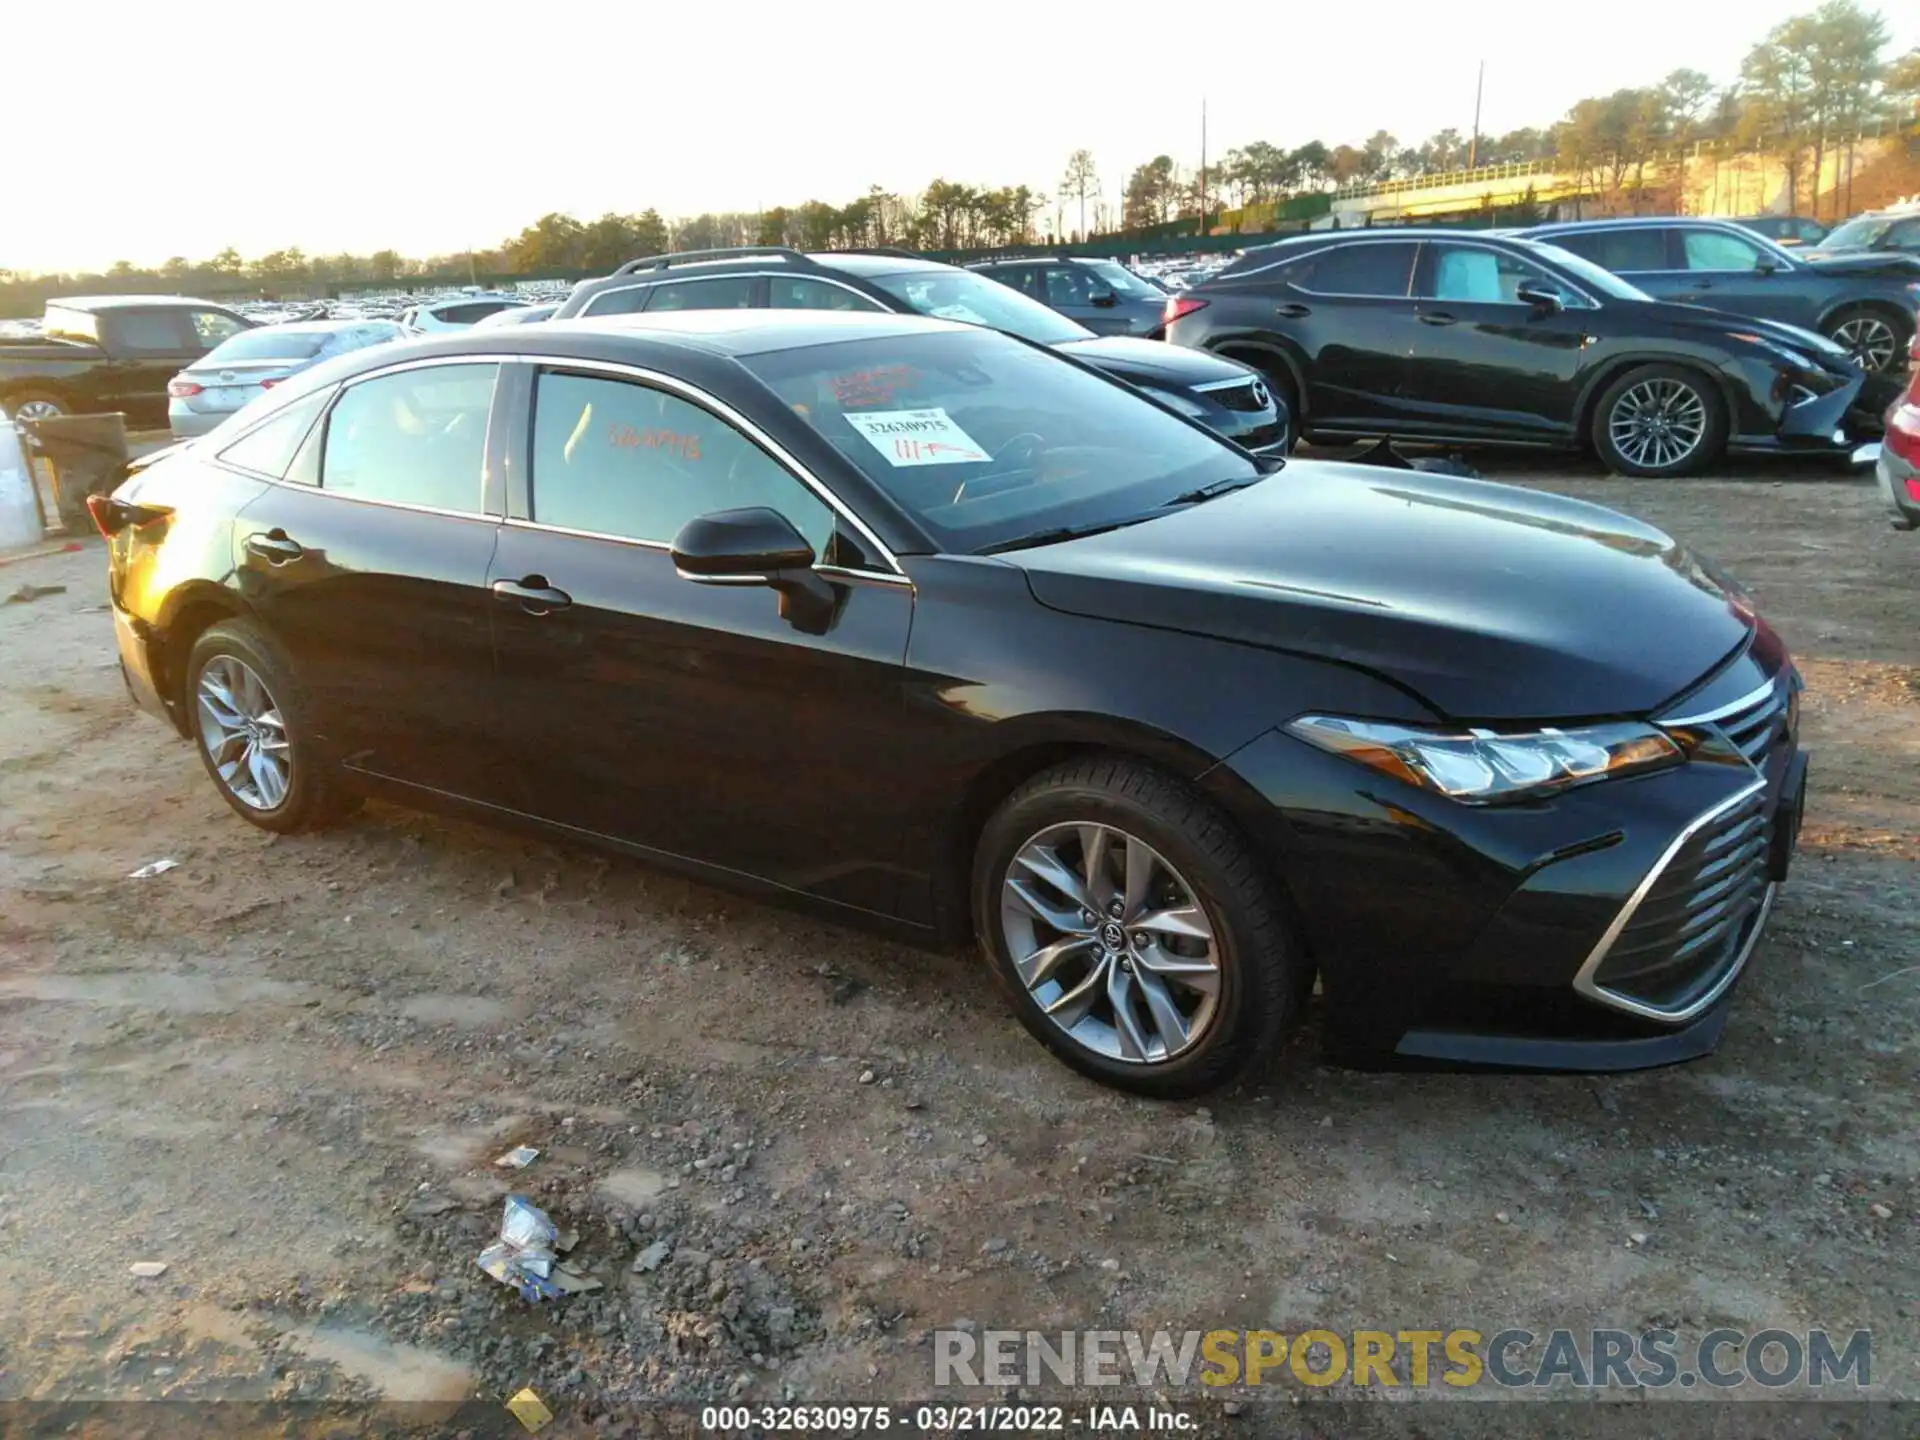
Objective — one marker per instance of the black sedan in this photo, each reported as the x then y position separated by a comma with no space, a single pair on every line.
1466,336
933,629
1223,395
1863,301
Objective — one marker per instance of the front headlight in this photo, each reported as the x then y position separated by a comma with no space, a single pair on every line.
1780,352
1182,403
1480,766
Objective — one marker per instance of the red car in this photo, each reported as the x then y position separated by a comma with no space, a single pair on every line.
1899,466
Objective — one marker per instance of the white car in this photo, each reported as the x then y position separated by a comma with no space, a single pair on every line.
455,314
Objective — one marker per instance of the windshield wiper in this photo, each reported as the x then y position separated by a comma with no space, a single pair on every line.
1063,532
1218,487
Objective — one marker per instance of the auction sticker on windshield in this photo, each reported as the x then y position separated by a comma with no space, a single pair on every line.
917,437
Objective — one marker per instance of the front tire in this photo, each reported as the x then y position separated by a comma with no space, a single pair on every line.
1137,936
1659,421
1876,339
253,722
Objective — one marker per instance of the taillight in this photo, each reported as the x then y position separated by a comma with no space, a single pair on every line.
1179,305
111,516
182,389
1903,429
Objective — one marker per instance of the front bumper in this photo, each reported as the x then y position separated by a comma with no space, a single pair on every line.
1605,928
1832,423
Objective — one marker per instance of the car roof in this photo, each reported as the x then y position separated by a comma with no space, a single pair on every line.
727,333
318,327
858,264
1636,222
124,302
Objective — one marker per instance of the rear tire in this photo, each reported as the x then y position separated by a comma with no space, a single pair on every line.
34,405
1659,421
1173,971
252,720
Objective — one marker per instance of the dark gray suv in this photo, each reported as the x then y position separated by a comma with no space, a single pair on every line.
1864,302
1102,295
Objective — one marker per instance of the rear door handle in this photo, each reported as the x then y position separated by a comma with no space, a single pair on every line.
532,594
1436,317
1292,311
274,547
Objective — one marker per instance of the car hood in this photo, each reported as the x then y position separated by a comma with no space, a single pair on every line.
1859,262
1490,602
1154,362
1723,324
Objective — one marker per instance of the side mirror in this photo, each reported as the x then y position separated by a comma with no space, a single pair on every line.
1105,299
1540,297
1765,265
758,546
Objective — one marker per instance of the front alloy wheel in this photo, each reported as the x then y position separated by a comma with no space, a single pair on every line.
1869,339
1658,424
1111,943
1139,936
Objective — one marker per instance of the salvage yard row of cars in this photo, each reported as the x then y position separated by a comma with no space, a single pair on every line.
879,586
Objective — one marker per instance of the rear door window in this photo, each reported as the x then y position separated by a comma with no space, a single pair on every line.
415,437
268,449
1373,268
1639,249
153,332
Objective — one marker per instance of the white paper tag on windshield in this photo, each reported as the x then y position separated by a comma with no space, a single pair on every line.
917,437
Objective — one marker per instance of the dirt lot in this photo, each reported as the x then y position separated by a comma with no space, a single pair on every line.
285,1067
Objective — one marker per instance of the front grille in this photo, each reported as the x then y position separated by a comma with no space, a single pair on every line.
1251,397
1751,724
1260,435
1692,926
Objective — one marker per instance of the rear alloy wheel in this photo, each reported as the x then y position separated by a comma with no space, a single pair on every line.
1871,338
1139,939
1659,420
250,715
34,405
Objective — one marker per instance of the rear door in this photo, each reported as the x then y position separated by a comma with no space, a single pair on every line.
1350,308
369,561
1489,365
1640,254
693,719
148,346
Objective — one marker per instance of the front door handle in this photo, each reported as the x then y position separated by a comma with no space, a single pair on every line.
1436,317
1291,311
532,594
274,547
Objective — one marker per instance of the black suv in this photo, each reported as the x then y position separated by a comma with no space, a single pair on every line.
1101,294
1224,395
1863,301
1452,336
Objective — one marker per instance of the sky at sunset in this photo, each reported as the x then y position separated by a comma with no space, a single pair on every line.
263,126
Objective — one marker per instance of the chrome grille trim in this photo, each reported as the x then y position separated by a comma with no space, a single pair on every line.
1751,724
1584,982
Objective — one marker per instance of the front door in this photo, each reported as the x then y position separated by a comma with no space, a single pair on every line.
369,561
1742,276
1072,290
1488,364
692,719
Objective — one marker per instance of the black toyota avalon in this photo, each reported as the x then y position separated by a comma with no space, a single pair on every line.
936,629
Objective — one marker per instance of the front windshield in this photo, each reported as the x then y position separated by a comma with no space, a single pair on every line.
975,300
1593,276
985,441
1861,233
1123,281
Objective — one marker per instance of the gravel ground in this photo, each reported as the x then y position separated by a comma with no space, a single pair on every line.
285,1067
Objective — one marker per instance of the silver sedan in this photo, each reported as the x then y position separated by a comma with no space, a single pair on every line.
245,366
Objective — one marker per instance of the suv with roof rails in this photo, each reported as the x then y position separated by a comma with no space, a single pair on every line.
1863,301
1226,396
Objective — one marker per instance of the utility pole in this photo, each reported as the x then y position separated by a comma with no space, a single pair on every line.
1473,145
1203,166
